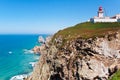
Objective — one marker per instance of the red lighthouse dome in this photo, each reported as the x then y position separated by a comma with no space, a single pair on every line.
100,8
100,12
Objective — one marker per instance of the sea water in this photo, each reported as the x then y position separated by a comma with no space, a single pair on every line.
16,54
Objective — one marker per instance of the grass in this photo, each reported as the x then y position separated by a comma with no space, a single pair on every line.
116,76
86,30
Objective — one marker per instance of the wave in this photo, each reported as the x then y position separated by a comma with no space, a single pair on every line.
32,64
10,52
19,77
27,51
36,57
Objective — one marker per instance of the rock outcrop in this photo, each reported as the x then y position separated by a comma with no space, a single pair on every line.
44,45
79,59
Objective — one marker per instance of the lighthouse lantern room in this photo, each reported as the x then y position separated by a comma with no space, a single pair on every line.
100,12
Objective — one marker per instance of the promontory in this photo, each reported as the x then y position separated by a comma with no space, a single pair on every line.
86,51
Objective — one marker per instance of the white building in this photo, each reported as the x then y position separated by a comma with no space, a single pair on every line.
102,18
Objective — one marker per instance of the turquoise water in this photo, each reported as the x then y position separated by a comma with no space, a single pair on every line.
13,59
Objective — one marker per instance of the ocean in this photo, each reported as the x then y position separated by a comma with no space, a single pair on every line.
15,54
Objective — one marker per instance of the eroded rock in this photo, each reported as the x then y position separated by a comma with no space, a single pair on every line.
79,59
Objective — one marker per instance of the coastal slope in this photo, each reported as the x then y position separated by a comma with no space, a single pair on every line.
86,51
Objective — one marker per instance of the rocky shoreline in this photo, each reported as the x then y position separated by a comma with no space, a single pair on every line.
44,44
80,59
35,50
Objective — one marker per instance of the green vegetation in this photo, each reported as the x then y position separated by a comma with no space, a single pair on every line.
87,30
116,76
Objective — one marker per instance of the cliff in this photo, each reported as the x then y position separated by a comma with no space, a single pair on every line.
85,51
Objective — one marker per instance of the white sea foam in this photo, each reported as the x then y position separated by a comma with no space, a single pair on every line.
36,57
19,77
32,64
10,52
27,51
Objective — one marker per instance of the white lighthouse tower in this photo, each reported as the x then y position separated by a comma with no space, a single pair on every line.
101,18
100,12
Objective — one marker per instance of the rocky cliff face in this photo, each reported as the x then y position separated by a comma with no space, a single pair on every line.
79,59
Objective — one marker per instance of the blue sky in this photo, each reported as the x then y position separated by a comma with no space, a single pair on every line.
49,16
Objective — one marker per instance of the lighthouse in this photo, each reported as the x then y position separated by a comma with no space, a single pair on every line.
100,12
101,18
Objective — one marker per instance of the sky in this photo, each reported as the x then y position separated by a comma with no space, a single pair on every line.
49,16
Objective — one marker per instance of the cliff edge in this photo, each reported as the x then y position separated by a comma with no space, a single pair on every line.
86,51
